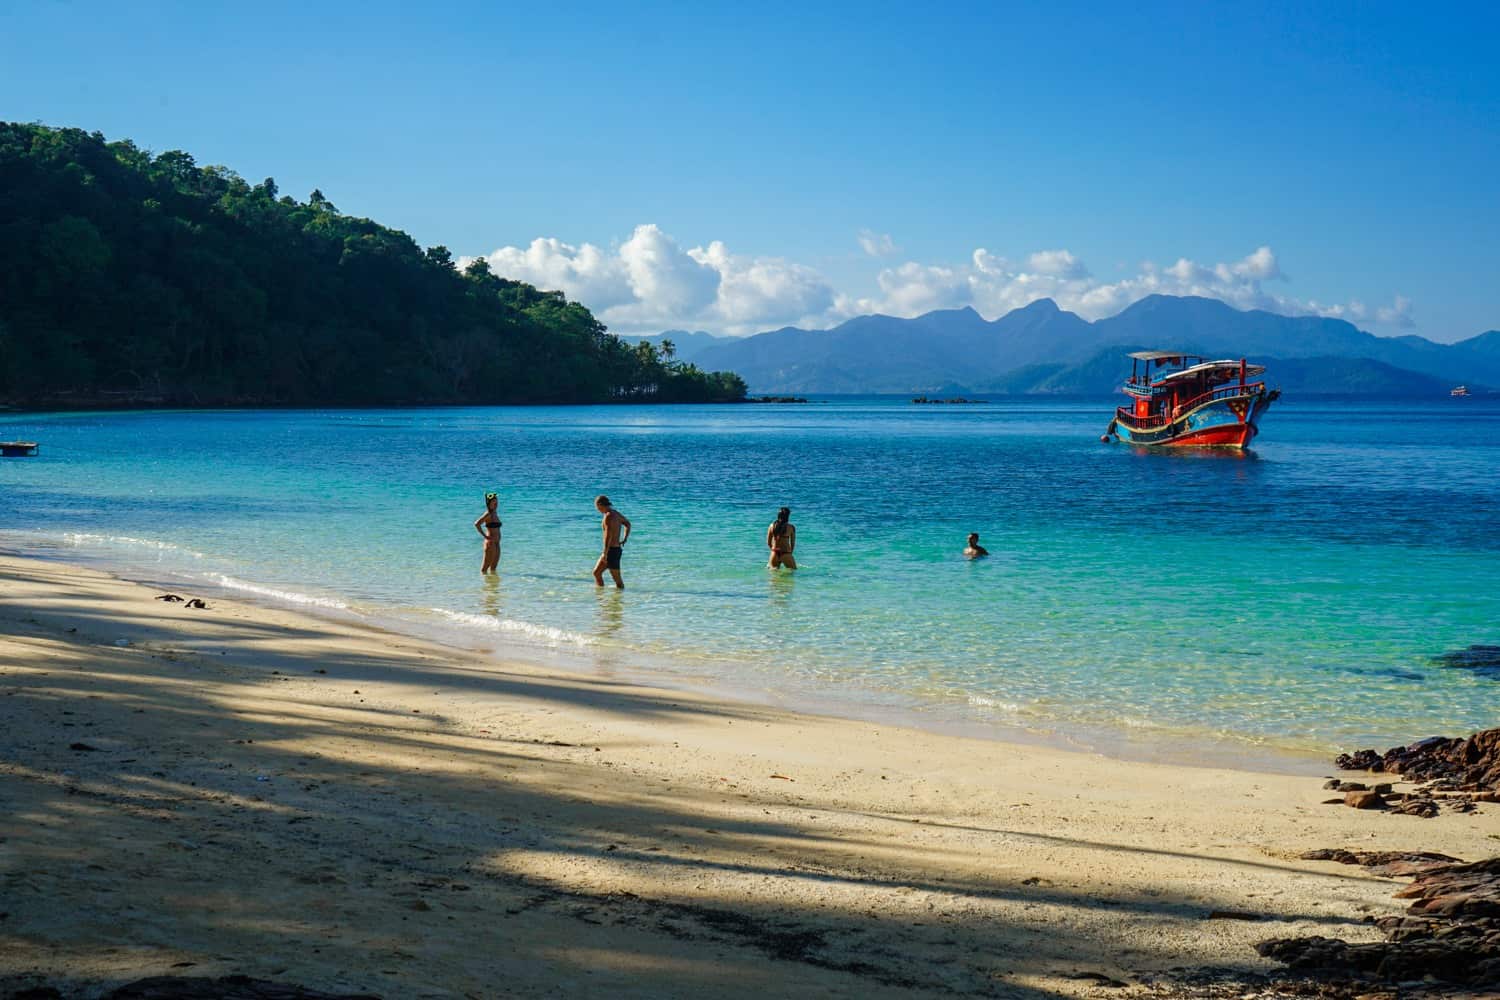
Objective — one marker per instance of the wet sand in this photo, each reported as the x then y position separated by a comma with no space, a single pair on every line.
246,790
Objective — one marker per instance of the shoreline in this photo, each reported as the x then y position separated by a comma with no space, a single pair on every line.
1038,645
678,673
286,797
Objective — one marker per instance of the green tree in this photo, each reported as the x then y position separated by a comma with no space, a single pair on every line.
152,276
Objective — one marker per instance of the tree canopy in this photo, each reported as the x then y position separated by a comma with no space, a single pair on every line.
135,278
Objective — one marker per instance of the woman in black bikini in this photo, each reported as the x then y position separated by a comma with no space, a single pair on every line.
781,539
488,526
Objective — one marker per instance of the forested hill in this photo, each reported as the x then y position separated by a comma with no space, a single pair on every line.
130,278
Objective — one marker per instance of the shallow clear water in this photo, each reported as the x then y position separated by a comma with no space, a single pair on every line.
1292,598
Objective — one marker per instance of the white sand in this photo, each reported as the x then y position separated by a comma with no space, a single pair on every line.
351,810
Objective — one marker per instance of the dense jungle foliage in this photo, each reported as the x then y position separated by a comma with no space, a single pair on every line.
128,278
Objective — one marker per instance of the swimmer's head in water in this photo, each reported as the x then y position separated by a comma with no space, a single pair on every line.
973,538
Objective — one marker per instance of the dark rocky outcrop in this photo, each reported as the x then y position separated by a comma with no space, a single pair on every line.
1456,772
1391,863
1448,943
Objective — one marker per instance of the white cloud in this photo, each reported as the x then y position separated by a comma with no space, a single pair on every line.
1398,313
987,263
913,289
754,291
585,272
877,244
1261,265
663,278
1057,264
649,282
994,286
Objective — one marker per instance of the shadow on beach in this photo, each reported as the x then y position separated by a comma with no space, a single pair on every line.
239,808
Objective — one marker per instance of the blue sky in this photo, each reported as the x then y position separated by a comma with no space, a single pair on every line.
718,168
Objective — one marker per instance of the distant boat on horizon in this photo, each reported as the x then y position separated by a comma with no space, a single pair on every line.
1186,401
1459,390
18,449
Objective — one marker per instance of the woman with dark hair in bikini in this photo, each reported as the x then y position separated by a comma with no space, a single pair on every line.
781,539
488,526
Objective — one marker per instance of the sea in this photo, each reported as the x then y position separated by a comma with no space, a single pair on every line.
1272,606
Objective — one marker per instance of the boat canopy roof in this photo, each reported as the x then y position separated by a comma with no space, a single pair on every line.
1159,355
1211,366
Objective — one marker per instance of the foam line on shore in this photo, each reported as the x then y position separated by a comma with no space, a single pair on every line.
545,634
1121,737
275,593
82,538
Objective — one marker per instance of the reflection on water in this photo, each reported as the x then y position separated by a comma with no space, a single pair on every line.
489,595
783,582
1197,454
611,614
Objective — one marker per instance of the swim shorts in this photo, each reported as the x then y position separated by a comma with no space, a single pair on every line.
612,557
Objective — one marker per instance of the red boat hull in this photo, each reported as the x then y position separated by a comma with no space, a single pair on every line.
1237,436
1228,420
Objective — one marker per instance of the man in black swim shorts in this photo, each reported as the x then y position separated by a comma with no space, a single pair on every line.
616,532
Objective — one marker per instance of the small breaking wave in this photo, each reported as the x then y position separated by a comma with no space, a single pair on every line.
82,538
545,634
981,701
288,596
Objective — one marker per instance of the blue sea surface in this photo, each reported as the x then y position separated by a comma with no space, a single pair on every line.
1290,599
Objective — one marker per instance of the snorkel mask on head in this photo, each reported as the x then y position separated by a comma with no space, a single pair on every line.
491,496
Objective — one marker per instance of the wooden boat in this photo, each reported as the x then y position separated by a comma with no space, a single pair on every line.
1183,401
1459,390
17,449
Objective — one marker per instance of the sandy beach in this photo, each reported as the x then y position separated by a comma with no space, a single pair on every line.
246,790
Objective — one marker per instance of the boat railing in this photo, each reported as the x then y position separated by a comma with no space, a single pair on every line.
1230,391
1222,392
1127,416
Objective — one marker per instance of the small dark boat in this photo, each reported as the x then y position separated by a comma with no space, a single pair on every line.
17,449
1185,401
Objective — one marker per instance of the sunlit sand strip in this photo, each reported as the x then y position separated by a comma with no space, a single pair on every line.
419,806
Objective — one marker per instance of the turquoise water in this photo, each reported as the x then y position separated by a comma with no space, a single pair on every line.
1291,599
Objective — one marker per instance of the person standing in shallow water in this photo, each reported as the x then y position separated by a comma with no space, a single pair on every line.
781,539
488,526
974,550
616,528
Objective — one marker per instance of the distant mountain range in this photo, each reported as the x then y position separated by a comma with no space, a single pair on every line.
1043,349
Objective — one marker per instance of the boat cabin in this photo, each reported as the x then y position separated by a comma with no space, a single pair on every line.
1164,384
